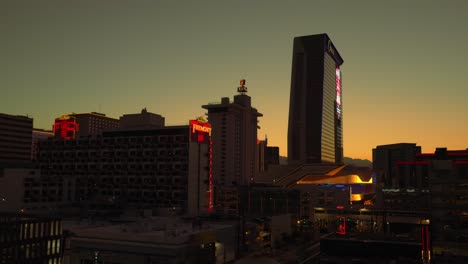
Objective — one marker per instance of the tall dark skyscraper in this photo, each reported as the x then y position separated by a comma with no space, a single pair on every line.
315,107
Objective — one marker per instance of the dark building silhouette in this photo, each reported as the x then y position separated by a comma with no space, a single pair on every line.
37,136
165,170
315,108
267,155
272,156
15,139
143,120
443,175
384,158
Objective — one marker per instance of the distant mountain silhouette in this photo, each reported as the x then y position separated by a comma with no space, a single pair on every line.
355,162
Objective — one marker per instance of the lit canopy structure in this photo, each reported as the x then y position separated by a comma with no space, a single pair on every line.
289,176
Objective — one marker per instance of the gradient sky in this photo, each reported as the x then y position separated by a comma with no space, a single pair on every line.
404,71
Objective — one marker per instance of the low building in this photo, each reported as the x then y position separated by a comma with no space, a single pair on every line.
151,240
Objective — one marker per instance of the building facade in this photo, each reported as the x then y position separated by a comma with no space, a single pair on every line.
153,240
15,139
93,124
385,158
444,174
235,150
425,193
37,136
143,120
163,170
74,125
315,109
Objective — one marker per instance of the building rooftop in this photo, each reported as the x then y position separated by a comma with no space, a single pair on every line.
156,230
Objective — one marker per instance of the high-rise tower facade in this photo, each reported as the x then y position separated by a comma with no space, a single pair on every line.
235,150
315,133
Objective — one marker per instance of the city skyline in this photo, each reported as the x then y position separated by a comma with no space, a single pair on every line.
402,78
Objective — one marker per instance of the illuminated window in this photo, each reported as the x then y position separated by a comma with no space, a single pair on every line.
27,251
53,247
48,247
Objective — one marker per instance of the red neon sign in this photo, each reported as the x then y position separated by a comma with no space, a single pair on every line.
200,131
210,179
341,225
338,92
65,127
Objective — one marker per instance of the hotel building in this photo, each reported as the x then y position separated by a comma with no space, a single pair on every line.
315,133
235,150
166,170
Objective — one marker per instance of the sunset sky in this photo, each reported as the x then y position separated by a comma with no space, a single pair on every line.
404,71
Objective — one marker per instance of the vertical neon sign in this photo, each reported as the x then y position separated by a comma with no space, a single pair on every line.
338,92
341,225
210,178
200,132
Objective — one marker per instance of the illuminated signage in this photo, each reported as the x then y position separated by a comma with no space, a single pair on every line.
338,92
341,225
201,128
200,131
65,127
356,197
242,89
210,192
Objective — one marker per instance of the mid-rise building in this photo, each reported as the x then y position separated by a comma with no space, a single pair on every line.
384,162
235,151
143,120
166,170
267,155
74,125
93,124
425,193
37,136
315,132
15,139
444,178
